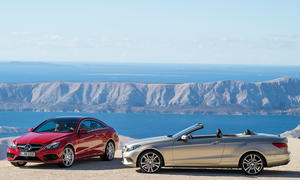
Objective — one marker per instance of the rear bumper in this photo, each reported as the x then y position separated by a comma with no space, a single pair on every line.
47,156
278,160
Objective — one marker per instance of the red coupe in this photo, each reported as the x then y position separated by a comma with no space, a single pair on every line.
63,140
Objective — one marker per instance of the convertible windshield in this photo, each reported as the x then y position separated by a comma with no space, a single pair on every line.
60,125
185,130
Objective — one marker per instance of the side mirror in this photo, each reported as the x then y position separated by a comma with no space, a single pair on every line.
184,137
83,131
30,130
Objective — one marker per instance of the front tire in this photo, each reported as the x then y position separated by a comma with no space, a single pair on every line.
68,158
18,164
109,152
252,163
150,161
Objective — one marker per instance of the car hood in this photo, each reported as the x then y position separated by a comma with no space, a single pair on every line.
40,137
149,140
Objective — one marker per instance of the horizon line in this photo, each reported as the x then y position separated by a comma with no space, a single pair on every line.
133,62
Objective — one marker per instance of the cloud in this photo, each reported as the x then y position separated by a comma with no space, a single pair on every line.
77,42
282,41
21,33
54,37
49,40
125,39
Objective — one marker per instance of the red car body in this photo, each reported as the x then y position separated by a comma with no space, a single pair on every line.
88,144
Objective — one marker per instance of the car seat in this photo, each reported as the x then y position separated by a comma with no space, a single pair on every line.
219,133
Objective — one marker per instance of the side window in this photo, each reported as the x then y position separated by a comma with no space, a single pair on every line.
96,125
85,125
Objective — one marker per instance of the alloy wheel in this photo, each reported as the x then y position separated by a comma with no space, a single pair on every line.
252,164
68,157
150,162
110,151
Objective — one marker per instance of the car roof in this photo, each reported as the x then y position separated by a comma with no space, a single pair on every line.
75,118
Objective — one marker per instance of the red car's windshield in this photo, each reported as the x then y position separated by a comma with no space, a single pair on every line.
60,125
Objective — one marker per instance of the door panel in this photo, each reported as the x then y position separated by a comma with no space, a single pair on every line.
232,149
100,141
84,144
198,151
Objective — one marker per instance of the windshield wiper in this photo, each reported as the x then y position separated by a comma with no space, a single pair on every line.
169,135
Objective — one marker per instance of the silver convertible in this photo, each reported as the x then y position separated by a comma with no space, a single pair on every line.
188,148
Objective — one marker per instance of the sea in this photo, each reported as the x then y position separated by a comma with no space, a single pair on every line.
142,125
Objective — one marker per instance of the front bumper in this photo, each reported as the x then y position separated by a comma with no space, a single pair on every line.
44,156
130,158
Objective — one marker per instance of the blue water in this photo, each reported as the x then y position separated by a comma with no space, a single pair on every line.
163,73
148,125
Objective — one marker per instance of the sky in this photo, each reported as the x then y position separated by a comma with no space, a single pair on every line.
169,31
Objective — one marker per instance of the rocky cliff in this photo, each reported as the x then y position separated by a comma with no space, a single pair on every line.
295,133
222,97
7,130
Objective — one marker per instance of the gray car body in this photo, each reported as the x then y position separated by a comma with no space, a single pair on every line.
208,150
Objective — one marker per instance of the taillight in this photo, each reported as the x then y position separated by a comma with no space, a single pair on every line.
280,145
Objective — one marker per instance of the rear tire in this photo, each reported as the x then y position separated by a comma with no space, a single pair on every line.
18,164
150,161
68,158
109,152
252,163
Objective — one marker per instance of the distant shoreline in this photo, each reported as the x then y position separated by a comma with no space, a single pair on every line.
278,96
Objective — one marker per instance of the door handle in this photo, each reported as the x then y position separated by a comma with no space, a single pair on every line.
216,142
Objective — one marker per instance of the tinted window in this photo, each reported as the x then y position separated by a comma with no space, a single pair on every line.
90,125
60,125
85,125
96,125
47,127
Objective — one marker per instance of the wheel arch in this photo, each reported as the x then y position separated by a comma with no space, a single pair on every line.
111,140
253,151
70,145
150,149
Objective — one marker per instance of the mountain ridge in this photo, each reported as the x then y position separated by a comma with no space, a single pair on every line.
277,96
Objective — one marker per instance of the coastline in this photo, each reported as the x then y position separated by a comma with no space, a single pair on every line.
219,97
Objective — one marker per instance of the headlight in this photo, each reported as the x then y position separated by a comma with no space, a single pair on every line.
52,145
12,145
133,147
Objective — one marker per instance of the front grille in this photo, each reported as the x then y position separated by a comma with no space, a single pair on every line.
33,147
10,155
21,158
